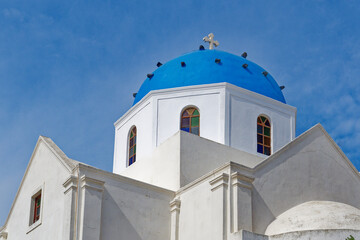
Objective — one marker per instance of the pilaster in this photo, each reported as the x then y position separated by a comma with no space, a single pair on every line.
70,192
175,213
219,186
90,209
242,202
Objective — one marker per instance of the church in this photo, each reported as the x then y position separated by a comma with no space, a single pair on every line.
207,151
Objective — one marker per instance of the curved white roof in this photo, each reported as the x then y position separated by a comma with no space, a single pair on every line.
316,215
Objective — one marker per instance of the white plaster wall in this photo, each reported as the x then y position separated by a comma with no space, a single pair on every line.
131,209
228,115
199,217
47,172
157,117
141,117
200,156
210,103
311,169
183,158
244,111
162,168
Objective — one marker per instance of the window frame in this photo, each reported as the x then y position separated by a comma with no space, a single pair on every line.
263,136
34,224
190,117
129,147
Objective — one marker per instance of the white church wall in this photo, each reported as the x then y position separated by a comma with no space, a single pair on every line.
200,156
141,117
208,99
48,174
131,209
157,117
303,171
227,115
185,157
162,168
203,210
245,107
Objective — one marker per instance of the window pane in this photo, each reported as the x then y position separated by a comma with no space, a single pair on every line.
267,150
195,130
131,134
134,158
135,149
185,114
259,148
38,212
258,120
263,119
267,123
186,129
131,161
259,138
196,112
190,111
267,141
185,122
259,129
131,142
195,121
267,131
131,152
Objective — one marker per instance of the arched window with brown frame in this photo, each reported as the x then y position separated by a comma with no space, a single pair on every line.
132,146
263,135
190,120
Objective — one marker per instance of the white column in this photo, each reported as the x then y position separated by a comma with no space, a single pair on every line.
219,186
90,210
175,212
69,226
242,206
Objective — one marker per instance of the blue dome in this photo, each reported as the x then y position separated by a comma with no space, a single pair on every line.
200,68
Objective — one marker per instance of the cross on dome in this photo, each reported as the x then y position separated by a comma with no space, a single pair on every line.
210,39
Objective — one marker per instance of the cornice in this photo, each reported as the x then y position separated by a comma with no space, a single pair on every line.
128,180
92,183
175,205
240,180
219,181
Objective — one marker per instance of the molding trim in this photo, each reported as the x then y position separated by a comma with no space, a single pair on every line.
92,183
70,184
175,205
240,180
220,181
120,178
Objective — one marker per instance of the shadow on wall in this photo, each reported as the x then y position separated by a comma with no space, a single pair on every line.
114,223
262,215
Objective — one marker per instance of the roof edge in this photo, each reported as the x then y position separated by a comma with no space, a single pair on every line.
302,136
56,151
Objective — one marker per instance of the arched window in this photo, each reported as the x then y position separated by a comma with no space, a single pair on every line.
263,135
132,145
190,121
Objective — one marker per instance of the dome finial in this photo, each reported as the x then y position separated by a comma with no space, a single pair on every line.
210,39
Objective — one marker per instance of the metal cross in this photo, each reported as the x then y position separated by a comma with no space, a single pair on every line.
210,39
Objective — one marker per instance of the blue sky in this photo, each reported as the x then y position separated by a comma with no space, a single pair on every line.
68,68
